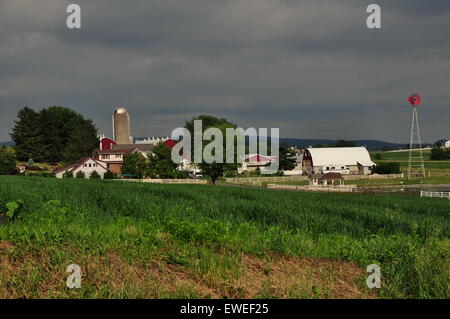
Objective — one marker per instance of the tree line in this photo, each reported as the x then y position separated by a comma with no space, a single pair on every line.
54,134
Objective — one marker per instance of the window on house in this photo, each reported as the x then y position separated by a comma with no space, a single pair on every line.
90,164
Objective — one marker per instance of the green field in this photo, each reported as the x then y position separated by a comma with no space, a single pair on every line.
136,240
402,158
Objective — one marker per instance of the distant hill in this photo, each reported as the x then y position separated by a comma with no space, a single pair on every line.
9,143
371,145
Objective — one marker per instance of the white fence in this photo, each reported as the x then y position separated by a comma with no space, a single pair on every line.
435,194
334,189
167,181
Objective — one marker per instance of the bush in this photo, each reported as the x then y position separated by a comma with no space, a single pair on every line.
439,153
110,175
7,162
94,175
80,174
68,174
387,168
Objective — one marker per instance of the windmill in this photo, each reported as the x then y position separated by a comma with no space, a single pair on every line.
415,163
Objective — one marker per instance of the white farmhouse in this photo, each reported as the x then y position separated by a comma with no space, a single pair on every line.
86,165
447,144
343,160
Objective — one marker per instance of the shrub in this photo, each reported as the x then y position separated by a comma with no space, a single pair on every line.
110,175
7,162
68,174
439,154
387,168
80,174
94,175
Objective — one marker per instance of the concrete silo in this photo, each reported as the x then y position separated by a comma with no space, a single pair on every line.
121,126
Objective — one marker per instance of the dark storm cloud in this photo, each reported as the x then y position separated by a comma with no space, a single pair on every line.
311,68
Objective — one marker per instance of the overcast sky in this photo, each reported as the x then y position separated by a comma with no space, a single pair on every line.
311,68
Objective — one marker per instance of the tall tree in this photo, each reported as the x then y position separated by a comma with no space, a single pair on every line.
215,169
27,135
82,141
53,135
135,164
287,158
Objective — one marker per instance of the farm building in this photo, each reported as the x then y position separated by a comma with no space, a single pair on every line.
86,165
253,161
344,160
447,144
327,179
113,159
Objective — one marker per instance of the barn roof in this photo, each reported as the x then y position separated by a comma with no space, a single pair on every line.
340,156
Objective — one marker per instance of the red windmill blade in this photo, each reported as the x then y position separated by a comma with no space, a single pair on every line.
414,99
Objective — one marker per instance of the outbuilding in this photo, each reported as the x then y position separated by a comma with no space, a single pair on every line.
343,160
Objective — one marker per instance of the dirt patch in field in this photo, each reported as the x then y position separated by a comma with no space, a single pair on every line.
292,277
5,246
42,274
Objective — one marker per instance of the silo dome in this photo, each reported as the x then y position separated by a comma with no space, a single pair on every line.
120,110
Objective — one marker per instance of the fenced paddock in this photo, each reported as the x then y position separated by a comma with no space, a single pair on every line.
435,194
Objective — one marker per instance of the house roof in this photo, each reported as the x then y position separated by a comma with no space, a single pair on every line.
340,156
259,158
332,176
75,165
141,147
327,176
109,151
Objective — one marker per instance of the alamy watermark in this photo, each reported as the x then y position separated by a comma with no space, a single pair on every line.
374,279
74,279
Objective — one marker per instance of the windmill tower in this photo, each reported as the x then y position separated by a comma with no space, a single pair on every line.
415,163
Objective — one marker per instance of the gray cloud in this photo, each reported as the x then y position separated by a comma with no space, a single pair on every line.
311,68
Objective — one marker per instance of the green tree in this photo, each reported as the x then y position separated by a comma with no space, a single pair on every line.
439,153
82,141
378,156
287,160
136,165
7,162
27,135
109,175
386,168
160,162
52,135
213,170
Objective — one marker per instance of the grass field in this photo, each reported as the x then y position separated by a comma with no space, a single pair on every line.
402,158
184,241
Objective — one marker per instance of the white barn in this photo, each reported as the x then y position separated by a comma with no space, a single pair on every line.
344,160
86,165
